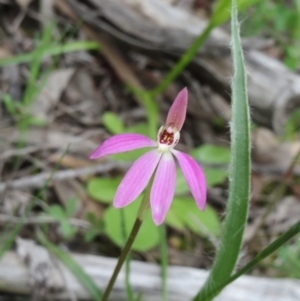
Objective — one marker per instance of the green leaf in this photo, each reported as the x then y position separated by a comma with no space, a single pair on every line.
239,175
113,123
67,230
10,104
147,237
71,207
57,212
140,128
103,189
215,176
209,153
181,185
188,214
174,219
53,49
96,227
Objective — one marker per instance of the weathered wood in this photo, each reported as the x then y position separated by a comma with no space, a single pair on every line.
32,268
157,26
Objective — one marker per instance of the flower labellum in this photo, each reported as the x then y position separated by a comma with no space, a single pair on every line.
161,159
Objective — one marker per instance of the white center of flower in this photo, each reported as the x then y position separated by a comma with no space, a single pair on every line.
167,138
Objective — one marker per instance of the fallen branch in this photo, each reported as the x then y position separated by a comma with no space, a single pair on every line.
39,180
160,28
18,272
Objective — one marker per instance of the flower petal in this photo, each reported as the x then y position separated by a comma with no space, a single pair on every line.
163,188
122,143
177,112
194,177
136,178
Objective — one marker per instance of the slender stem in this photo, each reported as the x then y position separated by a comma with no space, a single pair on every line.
184,60
136,227
132,236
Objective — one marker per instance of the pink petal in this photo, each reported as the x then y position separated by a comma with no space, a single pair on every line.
177,112
136,179
163,188
194,177
122,143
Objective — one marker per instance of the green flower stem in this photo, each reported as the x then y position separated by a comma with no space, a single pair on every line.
136,227
184,60
132,236
294,230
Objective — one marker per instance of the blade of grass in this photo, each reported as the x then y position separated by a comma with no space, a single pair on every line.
184,61
86,281
52,50
30,89
239,174
220,15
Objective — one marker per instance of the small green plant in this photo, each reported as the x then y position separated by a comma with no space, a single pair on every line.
288,261
96,228
63,215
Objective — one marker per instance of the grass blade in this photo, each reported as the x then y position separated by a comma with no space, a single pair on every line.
239,174
86,281
52,50
281,240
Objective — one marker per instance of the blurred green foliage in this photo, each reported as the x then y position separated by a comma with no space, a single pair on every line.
288,261
62,216
279,20
292,126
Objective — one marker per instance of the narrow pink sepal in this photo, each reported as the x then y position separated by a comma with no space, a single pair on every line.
136,179
194,177
122,143
177,112
163,187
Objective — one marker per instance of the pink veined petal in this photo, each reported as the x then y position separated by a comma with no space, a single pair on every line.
136,178
194,177
177,112
122,143
163,188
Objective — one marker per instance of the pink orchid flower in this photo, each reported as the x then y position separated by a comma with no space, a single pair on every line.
160,159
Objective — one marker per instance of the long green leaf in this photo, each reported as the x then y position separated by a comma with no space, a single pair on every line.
239,174
282,239
54,49
86,281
